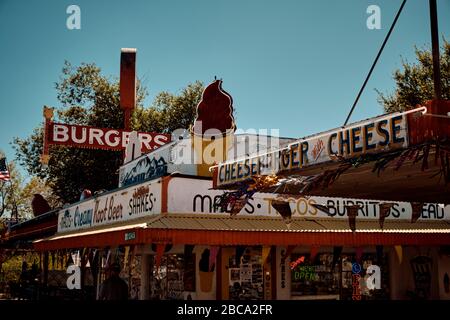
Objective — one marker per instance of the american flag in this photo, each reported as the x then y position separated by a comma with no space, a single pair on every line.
4,173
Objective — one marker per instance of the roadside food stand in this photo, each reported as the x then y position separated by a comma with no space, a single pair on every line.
175,239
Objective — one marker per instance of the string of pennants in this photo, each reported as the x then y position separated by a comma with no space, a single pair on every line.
283,208
233,202
92,258
59,260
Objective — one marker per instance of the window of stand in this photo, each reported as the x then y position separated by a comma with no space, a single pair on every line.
176,275
330,279
130,271
246,280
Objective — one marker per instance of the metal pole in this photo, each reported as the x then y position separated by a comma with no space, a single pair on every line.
435,49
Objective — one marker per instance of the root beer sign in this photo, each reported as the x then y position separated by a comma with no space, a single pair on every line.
112,207
95,138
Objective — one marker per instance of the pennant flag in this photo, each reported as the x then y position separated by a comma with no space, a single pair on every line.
399,251
133,257
352,212
159,253
188,249
446,283
380,254
108,259
237,206
212,257
90,257
336,255
95,256
86,254
284,209
313,252
54,261
322,208
62,256
69,259
203,264
385,209
239,252
417,208
265,254
116,254
359,253
74,258
78,258
288,252
125,258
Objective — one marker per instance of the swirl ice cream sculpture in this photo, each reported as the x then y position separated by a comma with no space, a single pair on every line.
213,129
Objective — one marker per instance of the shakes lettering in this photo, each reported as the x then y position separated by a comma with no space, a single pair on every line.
141,202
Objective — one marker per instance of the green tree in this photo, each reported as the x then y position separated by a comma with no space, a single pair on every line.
89,98
170,111
36,185
16,195
414,82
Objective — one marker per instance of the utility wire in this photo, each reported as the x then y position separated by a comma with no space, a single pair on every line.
375,62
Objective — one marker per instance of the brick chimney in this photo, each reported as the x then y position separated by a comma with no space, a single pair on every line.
127,83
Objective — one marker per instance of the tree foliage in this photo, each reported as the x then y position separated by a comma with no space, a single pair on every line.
89,98
169,111
10,191
16,195
414,82
36,185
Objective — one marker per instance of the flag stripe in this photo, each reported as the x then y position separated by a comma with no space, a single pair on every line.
4,173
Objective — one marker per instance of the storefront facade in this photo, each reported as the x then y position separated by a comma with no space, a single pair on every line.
174,244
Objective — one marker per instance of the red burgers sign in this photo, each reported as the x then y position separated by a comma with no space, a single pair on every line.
100,138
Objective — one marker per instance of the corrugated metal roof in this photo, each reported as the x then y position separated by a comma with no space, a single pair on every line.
220,222
225,223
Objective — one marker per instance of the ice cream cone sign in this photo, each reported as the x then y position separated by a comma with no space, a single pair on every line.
213,129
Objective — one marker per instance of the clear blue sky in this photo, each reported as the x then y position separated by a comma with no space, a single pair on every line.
295,65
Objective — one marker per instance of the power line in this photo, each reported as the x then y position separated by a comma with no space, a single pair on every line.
375,61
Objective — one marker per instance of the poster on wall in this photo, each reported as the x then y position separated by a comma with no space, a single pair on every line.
235,276
189,273
422,269
246,280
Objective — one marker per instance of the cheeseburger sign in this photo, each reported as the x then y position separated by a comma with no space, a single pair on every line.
374,135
